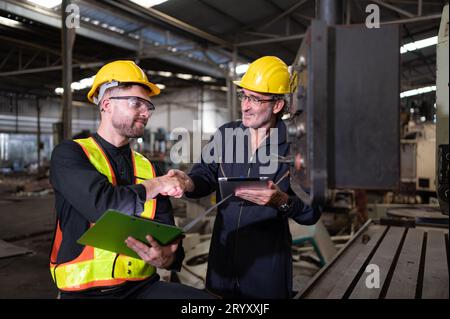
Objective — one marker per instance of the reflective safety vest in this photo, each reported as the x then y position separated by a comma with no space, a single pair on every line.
96,267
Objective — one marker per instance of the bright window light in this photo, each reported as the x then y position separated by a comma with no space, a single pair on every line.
49,4
418,91
207,79
242,68
76,86
82,84
148,3
165,74
161,86
9,22
184,76
418,44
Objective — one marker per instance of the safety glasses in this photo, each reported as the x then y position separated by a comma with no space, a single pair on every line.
136,103
253,99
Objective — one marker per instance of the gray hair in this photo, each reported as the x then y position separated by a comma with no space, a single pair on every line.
286,99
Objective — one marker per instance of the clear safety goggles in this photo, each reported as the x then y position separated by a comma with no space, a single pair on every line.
136,103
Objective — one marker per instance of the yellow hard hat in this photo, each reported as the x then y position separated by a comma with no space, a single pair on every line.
268,74
122,71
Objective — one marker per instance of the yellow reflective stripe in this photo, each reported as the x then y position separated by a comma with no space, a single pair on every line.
77,274
149,211
143,166
97,158
73,275
144,170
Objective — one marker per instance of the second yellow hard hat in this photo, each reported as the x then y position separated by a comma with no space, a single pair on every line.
268,74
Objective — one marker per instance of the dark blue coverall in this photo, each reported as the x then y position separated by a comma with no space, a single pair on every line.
250,253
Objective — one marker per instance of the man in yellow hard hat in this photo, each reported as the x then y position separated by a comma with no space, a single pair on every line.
92,175
250,252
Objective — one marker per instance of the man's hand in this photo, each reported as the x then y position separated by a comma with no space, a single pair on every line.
155,254
165,185
272,196
185,181
175,183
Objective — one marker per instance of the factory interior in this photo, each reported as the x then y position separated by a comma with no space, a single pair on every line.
368,117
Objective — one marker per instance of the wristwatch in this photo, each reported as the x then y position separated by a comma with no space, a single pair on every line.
286,206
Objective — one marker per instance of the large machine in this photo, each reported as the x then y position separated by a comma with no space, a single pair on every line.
344,119
442,154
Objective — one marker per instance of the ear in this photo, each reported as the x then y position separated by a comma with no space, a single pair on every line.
278,107
105,105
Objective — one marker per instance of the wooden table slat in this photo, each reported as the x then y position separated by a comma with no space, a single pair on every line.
404,280
344,281
383,258
435,276
327,281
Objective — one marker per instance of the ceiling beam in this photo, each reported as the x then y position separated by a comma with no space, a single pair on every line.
221,12
394,8
265,41
260,34
138,10
6,58
51,68
415,19
98,34
54,20
282,15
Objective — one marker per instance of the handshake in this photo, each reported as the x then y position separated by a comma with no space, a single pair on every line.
175,183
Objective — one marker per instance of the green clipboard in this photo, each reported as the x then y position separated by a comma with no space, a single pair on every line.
111,230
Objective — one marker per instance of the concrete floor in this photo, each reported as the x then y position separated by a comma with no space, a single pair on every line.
27,222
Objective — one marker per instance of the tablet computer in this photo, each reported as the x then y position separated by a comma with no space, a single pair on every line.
111,230
229,185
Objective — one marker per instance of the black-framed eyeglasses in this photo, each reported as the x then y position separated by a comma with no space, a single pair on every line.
136,102
253,99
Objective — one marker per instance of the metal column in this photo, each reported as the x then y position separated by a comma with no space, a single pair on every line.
67,40
330,11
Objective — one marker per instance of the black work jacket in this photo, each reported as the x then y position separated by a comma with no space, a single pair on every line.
82,194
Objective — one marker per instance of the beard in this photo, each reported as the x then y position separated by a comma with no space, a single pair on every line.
130,128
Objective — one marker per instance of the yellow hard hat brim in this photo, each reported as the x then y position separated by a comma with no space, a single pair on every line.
259,89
